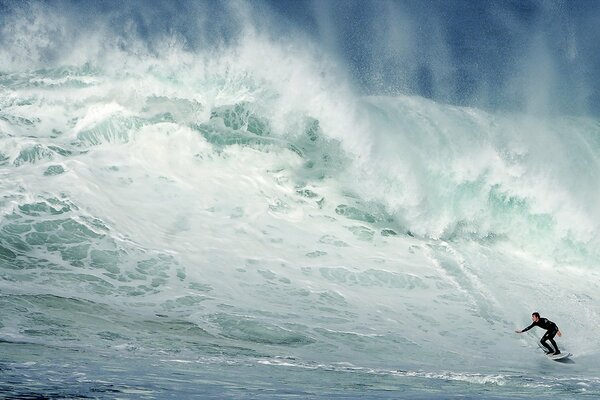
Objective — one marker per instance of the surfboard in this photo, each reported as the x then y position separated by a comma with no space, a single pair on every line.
560,356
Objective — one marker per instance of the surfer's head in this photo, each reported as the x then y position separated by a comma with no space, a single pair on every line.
535,316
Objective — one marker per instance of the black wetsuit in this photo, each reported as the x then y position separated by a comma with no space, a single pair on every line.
551,330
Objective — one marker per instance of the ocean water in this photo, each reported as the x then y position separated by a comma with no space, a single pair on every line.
240,221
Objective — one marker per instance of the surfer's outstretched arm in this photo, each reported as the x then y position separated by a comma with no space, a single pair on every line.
526,329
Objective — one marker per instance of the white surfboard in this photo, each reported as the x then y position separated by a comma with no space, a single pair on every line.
560,356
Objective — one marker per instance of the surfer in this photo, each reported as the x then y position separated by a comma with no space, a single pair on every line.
551,331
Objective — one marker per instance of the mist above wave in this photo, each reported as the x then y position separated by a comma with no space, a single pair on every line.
531,55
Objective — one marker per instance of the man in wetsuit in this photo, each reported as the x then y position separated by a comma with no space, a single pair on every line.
551,331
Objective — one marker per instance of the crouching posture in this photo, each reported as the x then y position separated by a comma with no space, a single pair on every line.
551,331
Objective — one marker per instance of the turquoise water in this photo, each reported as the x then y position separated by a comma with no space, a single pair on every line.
243,223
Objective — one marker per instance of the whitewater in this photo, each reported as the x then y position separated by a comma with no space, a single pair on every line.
239,221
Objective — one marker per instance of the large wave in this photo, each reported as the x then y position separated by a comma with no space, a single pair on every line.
244,198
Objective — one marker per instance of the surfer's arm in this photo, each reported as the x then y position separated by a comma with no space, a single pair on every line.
526,329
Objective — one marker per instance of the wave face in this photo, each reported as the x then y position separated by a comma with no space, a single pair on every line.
222,204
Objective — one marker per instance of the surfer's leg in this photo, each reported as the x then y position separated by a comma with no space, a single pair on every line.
545,344
551,338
